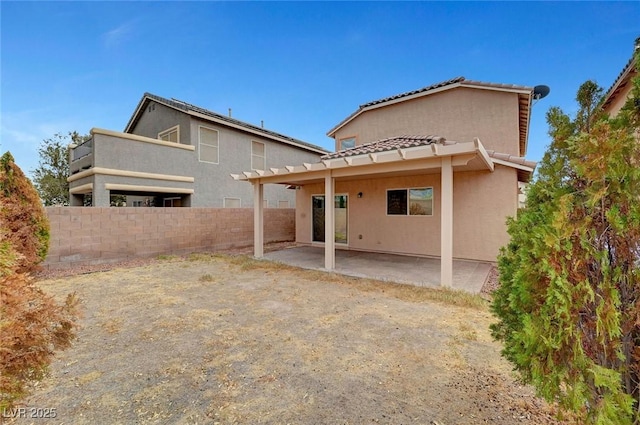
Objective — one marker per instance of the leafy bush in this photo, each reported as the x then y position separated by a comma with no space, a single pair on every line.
569,300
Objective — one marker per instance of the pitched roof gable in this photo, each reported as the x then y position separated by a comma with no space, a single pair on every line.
620,83
525,97
211,116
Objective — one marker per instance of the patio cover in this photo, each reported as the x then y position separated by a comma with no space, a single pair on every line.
388,157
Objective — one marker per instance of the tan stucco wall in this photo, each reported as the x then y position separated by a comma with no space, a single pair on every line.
481,204
619,101
458,114
482,201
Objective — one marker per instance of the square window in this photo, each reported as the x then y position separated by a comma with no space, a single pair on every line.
347,143
397,202
421,201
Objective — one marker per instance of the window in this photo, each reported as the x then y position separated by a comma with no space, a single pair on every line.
347,143
137,203
258,156
231,202
410,201
208,146
170,135
283,204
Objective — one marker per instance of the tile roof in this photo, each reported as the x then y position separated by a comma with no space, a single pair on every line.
621,81
389,144
403,142
462,80
410,93
190,109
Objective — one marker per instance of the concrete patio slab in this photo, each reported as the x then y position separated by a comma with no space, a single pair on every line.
468,276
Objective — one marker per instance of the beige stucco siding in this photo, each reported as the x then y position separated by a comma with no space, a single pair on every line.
458,114
619,101
482,202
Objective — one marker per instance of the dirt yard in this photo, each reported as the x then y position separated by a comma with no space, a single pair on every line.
226,339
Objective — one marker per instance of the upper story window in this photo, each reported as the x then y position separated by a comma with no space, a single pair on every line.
258,156
347,143
208,145
170,135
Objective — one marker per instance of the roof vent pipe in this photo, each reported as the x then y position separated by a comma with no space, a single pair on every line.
229,112
262,123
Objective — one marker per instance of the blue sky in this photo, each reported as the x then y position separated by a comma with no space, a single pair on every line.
300,66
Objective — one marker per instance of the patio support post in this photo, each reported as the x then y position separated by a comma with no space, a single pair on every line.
329,222
446,224
258,219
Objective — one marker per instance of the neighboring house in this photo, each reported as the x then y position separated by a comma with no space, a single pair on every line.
432,172
172,153
617,95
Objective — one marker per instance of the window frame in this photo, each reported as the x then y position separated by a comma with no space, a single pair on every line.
175,128
340,141
224,201
200,143
323,195
408,206
264,156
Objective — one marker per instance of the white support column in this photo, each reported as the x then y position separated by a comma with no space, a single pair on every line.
446,224
329,222
258,219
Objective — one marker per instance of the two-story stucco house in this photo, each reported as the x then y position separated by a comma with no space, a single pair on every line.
431,172
172,153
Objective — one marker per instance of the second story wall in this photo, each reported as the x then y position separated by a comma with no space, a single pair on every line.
239,151
458,114
157,118
124,153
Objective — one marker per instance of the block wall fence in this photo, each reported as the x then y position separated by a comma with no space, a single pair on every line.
88,235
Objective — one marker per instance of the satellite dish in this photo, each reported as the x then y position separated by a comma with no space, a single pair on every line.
540,91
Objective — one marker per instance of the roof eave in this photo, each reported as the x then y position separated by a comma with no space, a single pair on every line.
136,114
146,97
389,102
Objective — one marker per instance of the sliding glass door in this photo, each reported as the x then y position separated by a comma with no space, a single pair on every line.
341,217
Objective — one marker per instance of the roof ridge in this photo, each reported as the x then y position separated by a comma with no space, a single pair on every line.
416,91
189,107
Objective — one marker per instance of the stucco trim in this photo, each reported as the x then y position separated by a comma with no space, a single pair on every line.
85,188
138,188
421,157
125,173
137,138
512,165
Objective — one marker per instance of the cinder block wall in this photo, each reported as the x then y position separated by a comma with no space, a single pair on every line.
82,236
